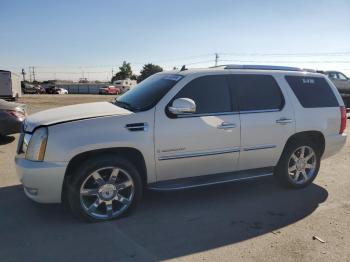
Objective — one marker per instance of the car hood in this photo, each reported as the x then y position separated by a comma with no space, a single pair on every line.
73,113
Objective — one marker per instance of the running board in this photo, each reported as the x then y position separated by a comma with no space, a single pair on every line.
200,181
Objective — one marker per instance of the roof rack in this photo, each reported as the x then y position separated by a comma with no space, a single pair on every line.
263,67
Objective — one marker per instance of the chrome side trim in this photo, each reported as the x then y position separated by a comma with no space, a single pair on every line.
198,154
210,183
230,113
209,114
250,148
259,111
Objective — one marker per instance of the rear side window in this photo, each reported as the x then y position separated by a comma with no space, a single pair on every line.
210,93
257,92
312,92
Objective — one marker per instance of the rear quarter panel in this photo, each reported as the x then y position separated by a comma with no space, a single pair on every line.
323,119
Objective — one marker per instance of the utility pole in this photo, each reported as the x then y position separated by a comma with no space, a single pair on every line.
216,59
24,75
32,73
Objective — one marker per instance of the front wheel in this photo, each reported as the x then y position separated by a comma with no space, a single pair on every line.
299,164
104,188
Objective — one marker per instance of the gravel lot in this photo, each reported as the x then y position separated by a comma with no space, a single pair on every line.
250,221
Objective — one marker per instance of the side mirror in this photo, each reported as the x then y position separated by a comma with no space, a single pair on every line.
182,106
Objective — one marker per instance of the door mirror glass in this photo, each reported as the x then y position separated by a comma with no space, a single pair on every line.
183,106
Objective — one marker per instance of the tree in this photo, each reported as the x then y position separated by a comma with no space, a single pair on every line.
148,70
124,72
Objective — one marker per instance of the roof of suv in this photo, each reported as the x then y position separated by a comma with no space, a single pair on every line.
250,69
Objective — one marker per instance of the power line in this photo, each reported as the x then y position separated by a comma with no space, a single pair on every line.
289,54
286,61
169,60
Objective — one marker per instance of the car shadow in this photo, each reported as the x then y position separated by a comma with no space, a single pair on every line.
164,226
4,140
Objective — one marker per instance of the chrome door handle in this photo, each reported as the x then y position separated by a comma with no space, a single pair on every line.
226,125
284,121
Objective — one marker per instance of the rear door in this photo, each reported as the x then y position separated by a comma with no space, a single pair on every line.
267,119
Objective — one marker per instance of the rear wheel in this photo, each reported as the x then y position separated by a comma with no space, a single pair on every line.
105,188
299,164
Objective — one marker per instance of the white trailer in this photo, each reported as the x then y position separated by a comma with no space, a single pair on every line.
125,84
10,85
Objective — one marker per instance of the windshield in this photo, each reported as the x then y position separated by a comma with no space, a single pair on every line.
147,93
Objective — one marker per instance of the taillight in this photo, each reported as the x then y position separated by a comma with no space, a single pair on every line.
343,119
16,114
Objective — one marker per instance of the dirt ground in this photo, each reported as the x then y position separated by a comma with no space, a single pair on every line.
251,221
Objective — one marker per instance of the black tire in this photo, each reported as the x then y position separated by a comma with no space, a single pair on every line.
281,172
86,169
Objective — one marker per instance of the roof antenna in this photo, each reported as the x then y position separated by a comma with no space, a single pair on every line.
183,68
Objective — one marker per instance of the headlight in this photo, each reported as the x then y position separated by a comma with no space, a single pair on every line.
35,149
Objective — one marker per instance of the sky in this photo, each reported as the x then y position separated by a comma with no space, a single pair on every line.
70,39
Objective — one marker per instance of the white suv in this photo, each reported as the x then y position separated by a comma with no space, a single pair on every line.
178,130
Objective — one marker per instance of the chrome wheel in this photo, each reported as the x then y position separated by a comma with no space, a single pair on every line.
107,192
302,165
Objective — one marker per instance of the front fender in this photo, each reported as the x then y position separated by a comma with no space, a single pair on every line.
67,140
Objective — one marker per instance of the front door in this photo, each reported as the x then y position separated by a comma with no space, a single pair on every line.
201,143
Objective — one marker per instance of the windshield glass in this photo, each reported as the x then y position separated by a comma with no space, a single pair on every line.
147,93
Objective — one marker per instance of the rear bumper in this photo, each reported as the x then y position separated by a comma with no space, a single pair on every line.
42,181
334,144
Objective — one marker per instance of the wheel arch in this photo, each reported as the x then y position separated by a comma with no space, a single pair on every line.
130,153
316,137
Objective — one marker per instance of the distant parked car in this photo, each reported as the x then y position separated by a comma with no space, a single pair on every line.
56,90
109,90
61,91
342,83
11,117
51,89
32,89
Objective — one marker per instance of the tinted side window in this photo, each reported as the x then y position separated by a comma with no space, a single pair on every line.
312,91
210,93
257,92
